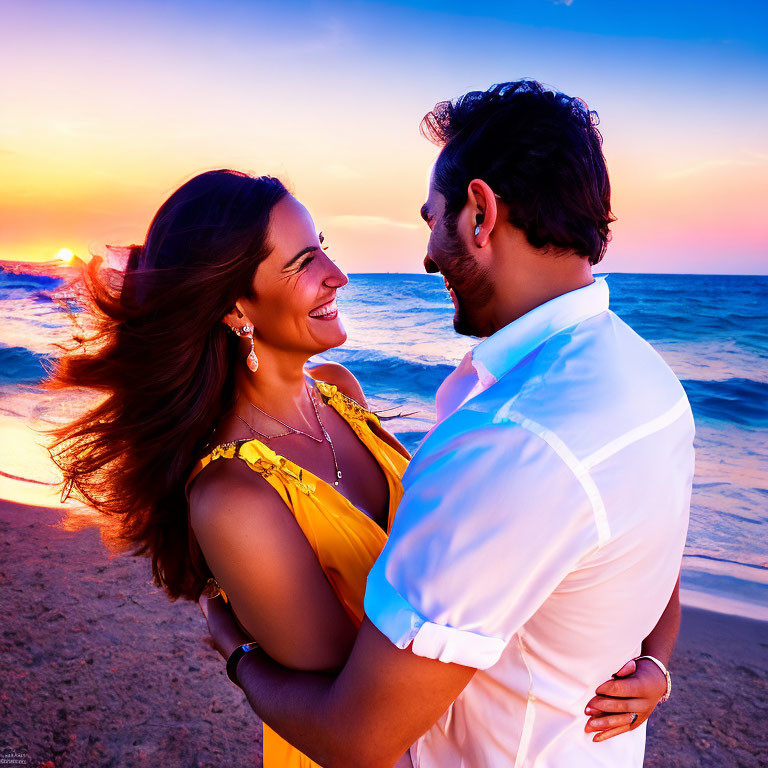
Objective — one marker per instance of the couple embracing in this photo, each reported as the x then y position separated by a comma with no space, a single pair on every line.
508,596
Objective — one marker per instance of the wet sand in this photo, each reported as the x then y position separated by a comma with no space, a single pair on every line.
99,668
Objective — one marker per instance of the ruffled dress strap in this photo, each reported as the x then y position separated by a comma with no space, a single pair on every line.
259,458
350,409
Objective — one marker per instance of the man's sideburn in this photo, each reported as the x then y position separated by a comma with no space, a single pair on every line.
471,283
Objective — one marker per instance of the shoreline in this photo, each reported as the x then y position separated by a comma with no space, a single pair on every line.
104,670
19,489
722,605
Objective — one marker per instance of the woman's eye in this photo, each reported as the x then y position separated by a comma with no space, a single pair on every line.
305,263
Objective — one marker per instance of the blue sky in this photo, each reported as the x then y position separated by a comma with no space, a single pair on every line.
112,105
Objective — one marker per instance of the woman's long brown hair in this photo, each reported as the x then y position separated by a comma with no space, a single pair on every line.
163,362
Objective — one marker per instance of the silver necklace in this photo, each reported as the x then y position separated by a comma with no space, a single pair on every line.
294,431
263,434
328,438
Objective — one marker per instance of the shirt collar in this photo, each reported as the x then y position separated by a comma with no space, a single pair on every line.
498,354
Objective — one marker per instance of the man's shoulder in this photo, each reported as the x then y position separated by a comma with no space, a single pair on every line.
579,390
477,438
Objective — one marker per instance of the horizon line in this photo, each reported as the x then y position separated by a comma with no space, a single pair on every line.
64,265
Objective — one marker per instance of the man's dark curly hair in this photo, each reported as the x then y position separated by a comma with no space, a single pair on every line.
539,150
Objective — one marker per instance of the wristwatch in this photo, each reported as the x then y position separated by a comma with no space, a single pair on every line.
664,671
234,660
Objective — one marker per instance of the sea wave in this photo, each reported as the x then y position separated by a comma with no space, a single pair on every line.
711,330
738,401
19,365
735,400
382,374
13,285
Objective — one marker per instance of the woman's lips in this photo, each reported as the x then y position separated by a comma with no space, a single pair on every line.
327,311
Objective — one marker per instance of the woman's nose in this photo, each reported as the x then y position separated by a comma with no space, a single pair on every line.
335,278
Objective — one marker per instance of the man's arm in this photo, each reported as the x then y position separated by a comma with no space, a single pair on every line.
383,700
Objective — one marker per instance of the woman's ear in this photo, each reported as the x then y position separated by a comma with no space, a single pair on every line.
235,318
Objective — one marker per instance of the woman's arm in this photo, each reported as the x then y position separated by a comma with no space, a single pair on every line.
661,642
639,685
270,573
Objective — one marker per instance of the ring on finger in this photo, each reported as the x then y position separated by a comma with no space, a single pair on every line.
634,718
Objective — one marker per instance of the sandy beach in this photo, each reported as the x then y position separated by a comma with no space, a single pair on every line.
101,669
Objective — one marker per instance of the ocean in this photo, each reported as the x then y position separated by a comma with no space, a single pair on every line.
711,330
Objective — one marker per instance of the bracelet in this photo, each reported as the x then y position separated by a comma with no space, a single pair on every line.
664,671
234,660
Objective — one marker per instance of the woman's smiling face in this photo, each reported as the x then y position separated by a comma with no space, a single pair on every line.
294,288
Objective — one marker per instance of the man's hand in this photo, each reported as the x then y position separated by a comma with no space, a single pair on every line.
636,688
225,632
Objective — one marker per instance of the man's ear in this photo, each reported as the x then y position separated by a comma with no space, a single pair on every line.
481,201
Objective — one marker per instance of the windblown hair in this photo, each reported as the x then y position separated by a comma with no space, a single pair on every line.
163,361
539,150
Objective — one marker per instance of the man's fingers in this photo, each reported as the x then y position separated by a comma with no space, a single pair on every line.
605,735
610,706
607,722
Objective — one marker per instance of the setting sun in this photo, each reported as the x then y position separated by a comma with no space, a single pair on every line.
65,255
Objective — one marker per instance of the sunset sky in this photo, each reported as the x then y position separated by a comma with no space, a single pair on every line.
106,107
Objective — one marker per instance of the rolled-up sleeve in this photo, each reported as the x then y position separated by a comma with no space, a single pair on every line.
491,522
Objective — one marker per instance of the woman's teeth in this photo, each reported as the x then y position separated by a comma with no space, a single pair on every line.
325,311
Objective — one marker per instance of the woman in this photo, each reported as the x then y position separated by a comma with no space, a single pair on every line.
201,354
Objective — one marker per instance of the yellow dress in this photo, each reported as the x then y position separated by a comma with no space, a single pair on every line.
345,540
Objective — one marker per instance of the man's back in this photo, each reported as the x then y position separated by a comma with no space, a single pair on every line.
556,542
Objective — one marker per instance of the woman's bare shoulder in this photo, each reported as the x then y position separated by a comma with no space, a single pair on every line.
226,484
263,561
343,378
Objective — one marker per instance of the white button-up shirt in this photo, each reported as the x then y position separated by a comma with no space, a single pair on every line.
541,532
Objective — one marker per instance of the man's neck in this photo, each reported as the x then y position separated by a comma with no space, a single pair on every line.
549,278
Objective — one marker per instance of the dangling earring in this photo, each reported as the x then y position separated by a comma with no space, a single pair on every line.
251,361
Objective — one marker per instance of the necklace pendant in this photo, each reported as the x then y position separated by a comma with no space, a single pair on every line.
338,474
336,483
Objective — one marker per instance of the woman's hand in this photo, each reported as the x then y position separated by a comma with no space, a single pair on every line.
634,690
225,632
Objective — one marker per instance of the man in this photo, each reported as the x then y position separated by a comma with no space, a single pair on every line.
542,527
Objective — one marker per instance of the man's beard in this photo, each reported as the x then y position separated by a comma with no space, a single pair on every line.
471,283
